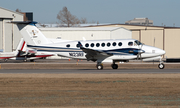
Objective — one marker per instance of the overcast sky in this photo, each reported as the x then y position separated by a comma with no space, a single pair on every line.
164,12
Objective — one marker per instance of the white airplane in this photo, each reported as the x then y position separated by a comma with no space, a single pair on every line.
24,54
95,50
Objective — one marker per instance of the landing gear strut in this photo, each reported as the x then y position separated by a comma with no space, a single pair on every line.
114,66
161,65
99,66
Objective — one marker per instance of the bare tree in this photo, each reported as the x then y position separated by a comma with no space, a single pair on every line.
84,21
65,17
18,10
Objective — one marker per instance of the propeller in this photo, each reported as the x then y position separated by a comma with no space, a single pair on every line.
140,51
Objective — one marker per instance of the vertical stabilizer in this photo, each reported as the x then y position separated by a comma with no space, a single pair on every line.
21,48
31,34
22,45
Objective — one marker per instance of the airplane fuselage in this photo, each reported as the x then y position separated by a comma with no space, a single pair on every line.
125,49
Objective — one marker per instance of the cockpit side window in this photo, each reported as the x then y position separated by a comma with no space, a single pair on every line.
137,42
130,44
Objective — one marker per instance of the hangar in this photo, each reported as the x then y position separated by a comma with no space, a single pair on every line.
9,34
89,33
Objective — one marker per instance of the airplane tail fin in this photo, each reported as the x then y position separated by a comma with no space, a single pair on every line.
22,45
31,34
21,48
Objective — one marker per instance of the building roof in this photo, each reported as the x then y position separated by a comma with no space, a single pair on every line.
11,11
82,29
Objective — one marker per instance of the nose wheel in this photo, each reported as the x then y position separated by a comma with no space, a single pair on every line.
161,66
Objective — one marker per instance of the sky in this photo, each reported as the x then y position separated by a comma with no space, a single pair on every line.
162,12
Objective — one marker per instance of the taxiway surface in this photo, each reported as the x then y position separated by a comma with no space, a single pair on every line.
92,71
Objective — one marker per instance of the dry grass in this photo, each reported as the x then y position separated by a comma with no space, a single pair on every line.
90,90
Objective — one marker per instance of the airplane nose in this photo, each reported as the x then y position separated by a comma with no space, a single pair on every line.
162,52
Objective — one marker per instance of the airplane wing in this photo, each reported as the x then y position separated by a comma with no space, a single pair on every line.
92,54
95,52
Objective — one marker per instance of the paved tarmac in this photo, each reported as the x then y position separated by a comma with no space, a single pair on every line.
91,71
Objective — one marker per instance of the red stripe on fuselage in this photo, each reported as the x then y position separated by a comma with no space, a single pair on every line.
5,57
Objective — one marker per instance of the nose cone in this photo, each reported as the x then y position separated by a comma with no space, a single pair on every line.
153,50
162,52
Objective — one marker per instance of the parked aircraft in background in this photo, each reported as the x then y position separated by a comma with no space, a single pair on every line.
95,50
22,53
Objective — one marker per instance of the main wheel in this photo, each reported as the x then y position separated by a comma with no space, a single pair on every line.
99,66
32,60
161,66
114,66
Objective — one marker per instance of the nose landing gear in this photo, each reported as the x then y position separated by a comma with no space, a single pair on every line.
161,66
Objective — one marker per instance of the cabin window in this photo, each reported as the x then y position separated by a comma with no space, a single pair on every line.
108,44
68,45
120,43
97,45
114,43
103,44
92,44
130,43
87,45
77,45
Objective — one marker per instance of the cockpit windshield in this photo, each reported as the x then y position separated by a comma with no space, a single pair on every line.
138,42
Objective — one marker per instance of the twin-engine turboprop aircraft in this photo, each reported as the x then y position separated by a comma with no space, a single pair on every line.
95,50
22,53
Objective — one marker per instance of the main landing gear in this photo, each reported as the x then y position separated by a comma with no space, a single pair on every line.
99,66
114,66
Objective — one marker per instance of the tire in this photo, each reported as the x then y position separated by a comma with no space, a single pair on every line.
114,66
161,66
99,67
31,60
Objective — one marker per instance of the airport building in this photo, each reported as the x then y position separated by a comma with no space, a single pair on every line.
166,38
88,33
140,21
9,34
